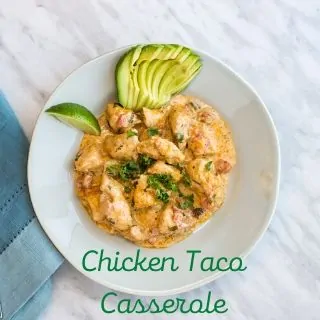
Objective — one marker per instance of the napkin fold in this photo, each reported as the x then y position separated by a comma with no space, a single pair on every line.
27,257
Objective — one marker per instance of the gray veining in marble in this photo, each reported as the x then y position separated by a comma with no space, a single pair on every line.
274,44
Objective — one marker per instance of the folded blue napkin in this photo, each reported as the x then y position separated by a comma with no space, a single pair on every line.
27,257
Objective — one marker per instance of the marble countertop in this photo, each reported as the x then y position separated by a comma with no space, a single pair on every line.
274,44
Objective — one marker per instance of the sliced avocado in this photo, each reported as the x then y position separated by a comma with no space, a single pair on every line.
184,82
147,76
150,73
150,52
177,50
160,72
144,99
123,77
124,81
183,55
133,84
168,52
179,71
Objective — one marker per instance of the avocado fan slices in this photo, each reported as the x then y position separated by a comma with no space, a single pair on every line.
148,76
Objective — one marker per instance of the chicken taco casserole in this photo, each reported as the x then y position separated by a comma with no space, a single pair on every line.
155,175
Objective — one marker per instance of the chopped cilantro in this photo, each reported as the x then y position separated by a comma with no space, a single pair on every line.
144,162
172,186
162,182
131,133
168,183
113,170
165,180
208,165
187,202
162,195
152,132
129,170
154,182
186,180
180,137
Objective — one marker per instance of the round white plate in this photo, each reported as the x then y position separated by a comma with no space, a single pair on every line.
232,231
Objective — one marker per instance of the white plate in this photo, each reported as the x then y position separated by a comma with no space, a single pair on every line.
233,230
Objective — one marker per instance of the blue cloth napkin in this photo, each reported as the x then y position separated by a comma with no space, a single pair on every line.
27,257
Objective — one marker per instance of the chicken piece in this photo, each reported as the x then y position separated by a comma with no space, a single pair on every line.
161,149
202,171
222,166
182,218
119,118
154,118
166,223
179,100
87,180
113,204
207,115
173,218
180,120
143,196
147,217
137,233
161,167
90,158
91,202
121,146
143,134
202,140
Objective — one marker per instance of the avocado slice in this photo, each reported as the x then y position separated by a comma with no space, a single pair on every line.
133,85
150,52
183,54
177,73
124,81
185,81
148,75
123,77
168,52
143,99
162,69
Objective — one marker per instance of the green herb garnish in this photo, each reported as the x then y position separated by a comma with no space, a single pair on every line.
145,162
162,195
131,133
154,182
165,180
180,137
162,182
186,180
113,170
153,132
187,202
129,170
208,165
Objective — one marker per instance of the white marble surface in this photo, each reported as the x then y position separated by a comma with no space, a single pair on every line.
274,44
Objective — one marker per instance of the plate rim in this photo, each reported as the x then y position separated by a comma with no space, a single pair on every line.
208,279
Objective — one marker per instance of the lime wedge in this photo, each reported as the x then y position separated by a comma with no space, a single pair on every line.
77,116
